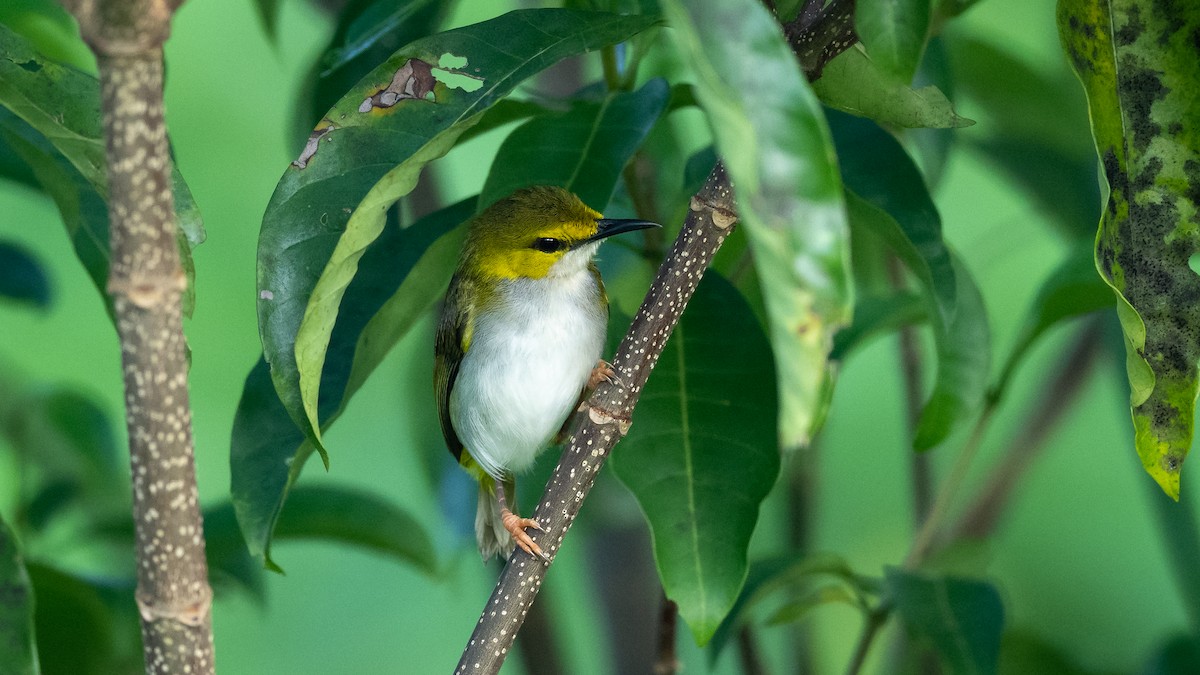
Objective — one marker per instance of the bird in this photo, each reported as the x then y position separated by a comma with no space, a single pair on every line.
518,344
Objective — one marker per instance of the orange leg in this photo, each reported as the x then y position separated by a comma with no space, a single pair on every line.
516,527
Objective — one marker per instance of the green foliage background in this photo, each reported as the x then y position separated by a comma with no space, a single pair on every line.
1078,559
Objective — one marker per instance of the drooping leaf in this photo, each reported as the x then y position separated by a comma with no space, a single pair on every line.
799,608
401,275
964,359
583,150
17,653
853,83
894,33
702,452
772,137
878,171
51,114
1072,289
367,153
961,618
1137,61
22,278
358,518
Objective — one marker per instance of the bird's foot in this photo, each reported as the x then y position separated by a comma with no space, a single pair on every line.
604,372
516,527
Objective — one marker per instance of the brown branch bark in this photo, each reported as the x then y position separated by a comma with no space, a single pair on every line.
146,281
816,36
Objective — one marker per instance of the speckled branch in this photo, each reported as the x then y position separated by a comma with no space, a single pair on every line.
817,35
146,281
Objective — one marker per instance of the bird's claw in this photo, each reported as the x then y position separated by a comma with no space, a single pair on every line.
604,372
516,527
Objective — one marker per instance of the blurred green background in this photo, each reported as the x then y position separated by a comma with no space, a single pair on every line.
1078,558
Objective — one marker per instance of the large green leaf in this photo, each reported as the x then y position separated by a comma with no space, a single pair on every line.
702,453
52,120
772,137
402,274
583,150
1137,61
894,33
103,636
852,83
961,618
17,654
367,153
876,315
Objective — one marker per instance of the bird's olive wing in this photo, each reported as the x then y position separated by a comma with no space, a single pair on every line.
453,335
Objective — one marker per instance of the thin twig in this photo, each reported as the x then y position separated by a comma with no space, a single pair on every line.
146,281
666,660
748,652
910,366
875,620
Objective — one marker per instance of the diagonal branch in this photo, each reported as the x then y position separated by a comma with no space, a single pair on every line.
817,36
146,281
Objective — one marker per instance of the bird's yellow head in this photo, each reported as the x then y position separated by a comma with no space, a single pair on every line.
537,232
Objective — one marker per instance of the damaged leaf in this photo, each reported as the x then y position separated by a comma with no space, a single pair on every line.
323,217
1137,62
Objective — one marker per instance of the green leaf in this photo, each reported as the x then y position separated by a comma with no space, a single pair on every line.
22,278
898,208
876,315
852,83
1137,61
506,112
1023,653
894,33
53,122
961,618
402,274
17,653
772,137
583,150
331,203
230,564
353,517
964,357
1072,289
798,609
701,454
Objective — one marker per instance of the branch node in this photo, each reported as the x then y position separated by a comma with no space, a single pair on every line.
722,217
189,613
147,291
603,416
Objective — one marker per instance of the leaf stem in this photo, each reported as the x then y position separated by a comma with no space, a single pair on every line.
924,541
875,620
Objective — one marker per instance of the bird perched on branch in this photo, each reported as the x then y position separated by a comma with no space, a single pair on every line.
518,343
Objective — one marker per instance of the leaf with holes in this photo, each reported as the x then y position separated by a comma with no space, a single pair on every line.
1137,61
701,454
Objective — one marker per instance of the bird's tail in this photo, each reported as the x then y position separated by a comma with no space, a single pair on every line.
492,537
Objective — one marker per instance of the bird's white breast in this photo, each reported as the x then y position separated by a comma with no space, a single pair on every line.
530,356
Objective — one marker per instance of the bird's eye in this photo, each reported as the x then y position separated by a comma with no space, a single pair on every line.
547,245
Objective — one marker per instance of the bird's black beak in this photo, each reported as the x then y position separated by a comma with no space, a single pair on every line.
607,227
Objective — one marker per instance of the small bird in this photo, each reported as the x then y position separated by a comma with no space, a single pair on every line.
518,344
